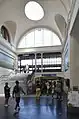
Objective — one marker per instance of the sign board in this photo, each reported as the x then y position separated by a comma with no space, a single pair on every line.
48,74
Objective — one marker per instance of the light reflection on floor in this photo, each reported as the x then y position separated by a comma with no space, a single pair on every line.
45,108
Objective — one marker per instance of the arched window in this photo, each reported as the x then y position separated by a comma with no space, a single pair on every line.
5,33
39,37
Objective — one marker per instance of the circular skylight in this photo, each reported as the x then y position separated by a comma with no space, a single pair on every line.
34,11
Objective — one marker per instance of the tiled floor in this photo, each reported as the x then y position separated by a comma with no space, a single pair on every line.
45,108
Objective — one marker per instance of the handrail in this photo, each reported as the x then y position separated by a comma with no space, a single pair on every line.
4,76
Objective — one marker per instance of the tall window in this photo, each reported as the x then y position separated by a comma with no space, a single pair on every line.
39,37
5,34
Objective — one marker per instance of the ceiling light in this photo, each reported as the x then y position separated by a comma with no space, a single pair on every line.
34,11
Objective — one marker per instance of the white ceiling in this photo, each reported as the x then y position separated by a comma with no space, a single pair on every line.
13,16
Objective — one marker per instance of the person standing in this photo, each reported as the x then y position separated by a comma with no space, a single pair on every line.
16,94
47,84
58,90
38,90
7,94
52,90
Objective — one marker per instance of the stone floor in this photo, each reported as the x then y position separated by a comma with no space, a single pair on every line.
45,108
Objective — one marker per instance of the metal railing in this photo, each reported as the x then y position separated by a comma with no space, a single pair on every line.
6,77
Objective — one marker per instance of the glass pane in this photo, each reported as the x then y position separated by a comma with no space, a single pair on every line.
43,61
29,62
38,61
58,60
33,61
56,40
22,43
47,38
23,62
38,37
52,60
30,39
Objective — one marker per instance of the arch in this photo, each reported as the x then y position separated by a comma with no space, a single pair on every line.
11,25
39,37
5,33
41,26
61,23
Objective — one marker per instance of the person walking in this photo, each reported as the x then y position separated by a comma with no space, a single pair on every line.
7,94
16,94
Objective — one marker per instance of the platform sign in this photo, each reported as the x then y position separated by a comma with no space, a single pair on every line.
48,74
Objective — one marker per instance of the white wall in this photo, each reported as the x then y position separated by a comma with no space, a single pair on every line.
40,49
6,49
13,10
73,42
74,56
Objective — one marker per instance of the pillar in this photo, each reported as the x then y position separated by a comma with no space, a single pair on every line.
20,64
41,62
35,63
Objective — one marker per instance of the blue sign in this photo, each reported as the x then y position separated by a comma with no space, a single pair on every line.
48,74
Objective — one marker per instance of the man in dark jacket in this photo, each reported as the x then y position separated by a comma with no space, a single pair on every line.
7,93
16,93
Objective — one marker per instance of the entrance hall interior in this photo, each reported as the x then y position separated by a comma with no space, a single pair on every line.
39,45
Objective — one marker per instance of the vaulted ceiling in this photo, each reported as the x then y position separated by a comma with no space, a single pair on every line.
13,17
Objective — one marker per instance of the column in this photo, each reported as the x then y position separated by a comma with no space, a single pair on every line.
20,64
32,64
35,62
41,62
